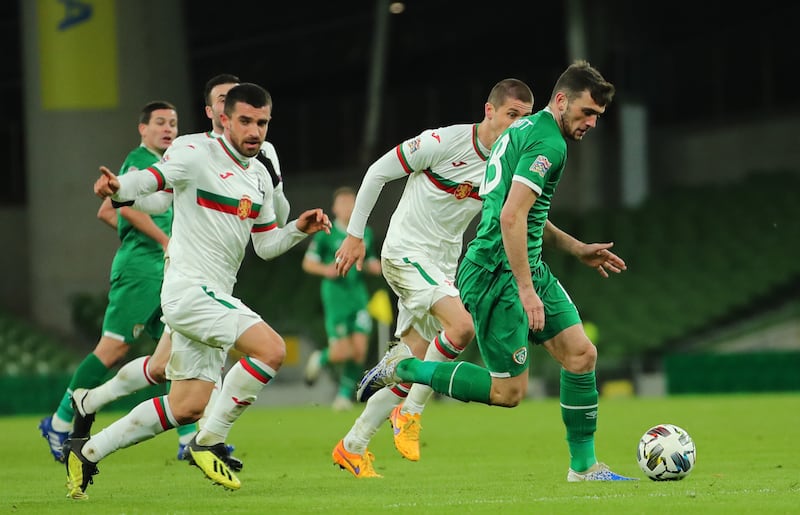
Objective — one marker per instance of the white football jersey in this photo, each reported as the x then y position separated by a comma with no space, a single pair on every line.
220,199
445,167
280,202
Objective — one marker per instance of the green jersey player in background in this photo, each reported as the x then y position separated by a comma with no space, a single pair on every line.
134,304
510,291
348,324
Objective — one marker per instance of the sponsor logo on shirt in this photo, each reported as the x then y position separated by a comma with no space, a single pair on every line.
459,163
226,175
245,205
540,165
436,137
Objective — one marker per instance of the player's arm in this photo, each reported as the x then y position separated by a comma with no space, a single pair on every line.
514,229
144,224
390,166
107,214
282,207
173,171
269,158
155,203
593,255
270,241
312,263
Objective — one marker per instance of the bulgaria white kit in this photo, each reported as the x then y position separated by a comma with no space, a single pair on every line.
280,202
221,201
444,169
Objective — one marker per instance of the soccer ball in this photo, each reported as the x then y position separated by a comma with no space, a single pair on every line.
666,452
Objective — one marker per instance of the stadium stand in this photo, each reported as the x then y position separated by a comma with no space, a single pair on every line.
697,257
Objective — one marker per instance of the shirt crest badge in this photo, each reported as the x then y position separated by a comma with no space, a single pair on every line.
245,206
463,190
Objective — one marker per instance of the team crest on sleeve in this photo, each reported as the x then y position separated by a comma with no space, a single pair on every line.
521,355
245,206
413,144
540,165
463,190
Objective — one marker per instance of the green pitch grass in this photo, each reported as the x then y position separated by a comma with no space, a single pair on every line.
475,459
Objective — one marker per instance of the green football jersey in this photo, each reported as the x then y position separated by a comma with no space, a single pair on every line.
343,294
138,254
531,151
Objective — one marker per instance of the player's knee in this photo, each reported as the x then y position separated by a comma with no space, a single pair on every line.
272,352
187,412
507,395
461,333
158,372
582,359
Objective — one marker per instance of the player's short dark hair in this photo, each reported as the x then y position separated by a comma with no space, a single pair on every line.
147,110
213,82
249,93
580,76
510,88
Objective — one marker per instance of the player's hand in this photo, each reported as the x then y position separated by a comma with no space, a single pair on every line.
107,184
313,220
597,256
351,252
534,308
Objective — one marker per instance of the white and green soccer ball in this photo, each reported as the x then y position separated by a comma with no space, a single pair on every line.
666,452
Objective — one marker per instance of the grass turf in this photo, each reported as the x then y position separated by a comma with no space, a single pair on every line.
475,459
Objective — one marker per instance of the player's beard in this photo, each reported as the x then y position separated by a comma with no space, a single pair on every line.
248,153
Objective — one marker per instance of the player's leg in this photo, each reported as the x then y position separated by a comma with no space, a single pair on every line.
456,333
564,338
405,417
135,375
184,404
337,349
501,329
264,351
353,369
90,372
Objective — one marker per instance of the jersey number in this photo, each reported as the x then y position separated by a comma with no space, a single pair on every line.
494,170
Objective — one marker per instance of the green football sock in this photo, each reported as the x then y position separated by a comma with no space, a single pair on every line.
579,413
90,373
351,376
324,357
460,380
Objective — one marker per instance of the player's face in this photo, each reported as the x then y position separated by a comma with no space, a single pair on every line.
501,117
157,135
343,206
247,127
214,111
579,116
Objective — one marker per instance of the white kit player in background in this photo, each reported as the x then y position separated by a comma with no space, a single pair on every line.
222,202
444,169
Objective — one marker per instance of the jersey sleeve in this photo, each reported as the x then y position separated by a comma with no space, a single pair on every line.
535,164
175,168
387,168
421,152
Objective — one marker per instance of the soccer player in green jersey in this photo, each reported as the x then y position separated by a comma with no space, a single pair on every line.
136,273
513,297
344,301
